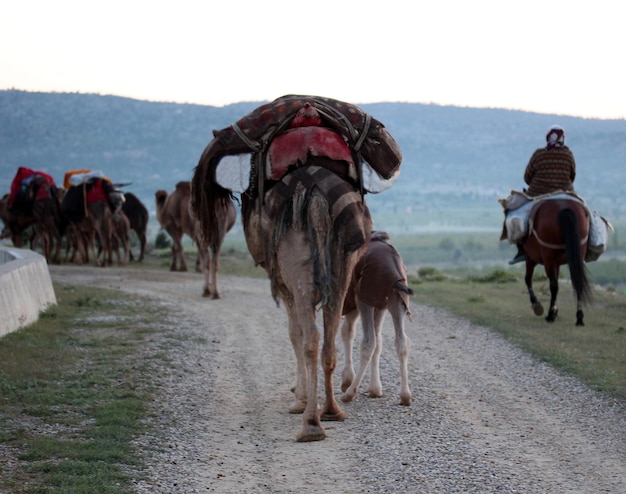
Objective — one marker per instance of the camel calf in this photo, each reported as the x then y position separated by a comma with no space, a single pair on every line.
379,283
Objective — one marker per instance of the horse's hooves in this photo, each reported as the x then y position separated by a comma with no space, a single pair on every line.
346,380
297,406
538,308
405,400
217,296
311,433
580,323
347,397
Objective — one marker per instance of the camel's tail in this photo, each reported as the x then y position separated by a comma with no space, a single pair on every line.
332,216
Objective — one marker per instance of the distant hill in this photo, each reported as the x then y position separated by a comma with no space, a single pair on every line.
454,158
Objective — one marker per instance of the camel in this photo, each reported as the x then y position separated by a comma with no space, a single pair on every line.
50,223
305,219
138,217
90,208
120,230
379,284
15,224
176,218
41,211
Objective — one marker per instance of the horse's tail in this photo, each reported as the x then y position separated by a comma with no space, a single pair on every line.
569,226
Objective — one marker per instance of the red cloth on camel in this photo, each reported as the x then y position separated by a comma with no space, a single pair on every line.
96,193
22,174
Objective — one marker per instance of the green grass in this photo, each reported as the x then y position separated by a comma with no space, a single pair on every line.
596,352
73,393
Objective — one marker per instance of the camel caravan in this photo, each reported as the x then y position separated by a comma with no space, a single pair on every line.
89,212
302,166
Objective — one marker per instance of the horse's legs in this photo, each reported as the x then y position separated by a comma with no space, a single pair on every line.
536,305
553,276
398,311
368,346
348,332
375,389
579,315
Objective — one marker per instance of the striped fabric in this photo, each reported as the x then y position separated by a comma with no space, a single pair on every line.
550,170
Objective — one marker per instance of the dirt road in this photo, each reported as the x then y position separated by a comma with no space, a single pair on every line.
485,416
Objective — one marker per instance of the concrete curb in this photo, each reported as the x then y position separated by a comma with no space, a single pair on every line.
25,288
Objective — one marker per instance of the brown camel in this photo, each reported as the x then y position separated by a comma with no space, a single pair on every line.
379,284
138,217
175,217
15,224
120,229
304,216
42,212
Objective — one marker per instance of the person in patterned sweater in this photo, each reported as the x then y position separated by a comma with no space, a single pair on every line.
550,169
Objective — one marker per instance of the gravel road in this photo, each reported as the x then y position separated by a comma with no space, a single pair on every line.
485,416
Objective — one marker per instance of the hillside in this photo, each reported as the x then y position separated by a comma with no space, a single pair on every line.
457,161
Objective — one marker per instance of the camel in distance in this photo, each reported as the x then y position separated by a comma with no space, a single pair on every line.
379,285
176,218
304,216
138,218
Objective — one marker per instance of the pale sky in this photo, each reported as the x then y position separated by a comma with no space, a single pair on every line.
546,56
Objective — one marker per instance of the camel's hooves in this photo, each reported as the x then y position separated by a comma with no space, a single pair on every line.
311,433
337,416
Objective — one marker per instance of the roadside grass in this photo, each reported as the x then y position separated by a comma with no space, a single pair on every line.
73,393
595,353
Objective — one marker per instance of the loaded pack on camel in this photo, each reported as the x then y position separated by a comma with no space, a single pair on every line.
520,210
27,186
302,165
34,200
85,187
93,206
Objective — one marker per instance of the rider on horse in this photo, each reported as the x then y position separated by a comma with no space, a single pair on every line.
550,169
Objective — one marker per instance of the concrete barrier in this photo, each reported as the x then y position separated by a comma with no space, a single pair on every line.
25,288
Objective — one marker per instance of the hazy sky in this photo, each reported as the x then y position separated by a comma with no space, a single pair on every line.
548,56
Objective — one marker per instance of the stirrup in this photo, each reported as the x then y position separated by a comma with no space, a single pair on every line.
518,258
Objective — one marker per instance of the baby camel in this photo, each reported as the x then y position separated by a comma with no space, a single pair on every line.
379,283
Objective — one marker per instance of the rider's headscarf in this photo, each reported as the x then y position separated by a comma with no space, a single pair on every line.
555,137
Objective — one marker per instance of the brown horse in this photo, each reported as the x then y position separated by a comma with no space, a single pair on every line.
558,234
305,219
379,285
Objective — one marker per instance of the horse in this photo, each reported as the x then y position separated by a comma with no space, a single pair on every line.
558,235
379,285
304,216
